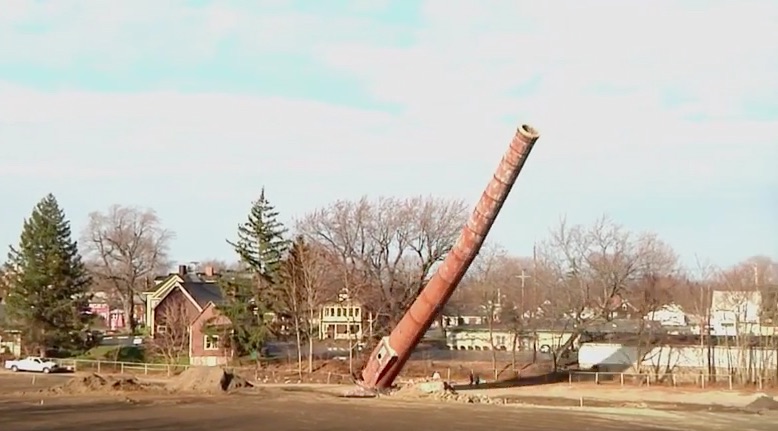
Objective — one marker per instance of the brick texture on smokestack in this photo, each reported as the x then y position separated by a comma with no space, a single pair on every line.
182,269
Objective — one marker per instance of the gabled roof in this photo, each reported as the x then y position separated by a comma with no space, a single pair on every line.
731,299
203,292
197,290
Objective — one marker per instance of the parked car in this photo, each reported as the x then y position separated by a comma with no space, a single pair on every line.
34,364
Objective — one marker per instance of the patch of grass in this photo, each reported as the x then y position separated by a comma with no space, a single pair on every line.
115,353
183,360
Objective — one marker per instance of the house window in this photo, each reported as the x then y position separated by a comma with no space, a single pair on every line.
161,329
211,342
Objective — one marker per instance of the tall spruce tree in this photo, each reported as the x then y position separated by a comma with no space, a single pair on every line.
48,285
261,246
261,243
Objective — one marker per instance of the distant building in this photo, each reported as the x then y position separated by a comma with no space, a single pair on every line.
195,291
540,335
206,347
191,300
10,337
735,312
464,315
669,315
111,316
342,319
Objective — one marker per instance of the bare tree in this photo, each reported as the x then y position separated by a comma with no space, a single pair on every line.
125,247
388,246
522,301
695,296
488,277
308,274
746,292
592,267
172,341
647,295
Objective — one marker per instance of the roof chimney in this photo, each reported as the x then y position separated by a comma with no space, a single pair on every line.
182,270
209,272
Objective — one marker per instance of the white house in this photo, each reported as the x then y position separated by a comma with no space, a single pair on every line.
735,312
477,338
342,319
669,315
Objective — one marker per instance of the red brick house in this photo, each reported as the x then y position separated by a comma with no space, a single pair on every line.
205,347
178,313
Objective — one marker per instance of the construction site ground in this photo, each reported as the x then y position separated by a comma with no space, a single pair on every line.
66,402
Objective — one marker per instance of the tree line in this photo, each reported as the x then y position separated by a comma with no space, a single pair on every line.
378,252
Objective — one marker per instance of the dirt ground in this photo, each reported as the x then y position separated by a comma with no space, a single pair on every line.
336,371
591,394
319,407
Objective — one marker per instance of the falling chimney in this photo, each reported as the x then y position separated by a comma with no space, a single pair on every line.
182,269
209,272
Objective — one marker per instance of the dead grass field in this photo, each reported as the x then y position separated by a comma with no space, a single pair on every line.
292,407
336,371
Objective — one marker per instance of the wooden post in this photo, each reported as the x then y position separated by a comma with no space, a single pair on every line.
675,381
448,375
329,376
145,369
730,382
648,380
570,377
121,367
597,378
621,378
98,366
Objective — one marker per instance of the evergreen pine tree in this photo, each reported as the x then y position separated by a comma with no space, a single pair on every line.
261,247
48,285
248,329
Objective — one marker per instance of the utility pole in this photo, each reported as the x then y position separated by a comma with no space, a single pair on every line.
523,277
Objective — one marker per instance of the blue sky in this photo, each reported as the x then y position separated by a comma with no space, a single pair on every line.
663,115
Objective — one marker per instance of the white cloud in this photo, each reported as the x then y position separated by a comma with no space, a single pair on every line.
633,101
594,80
139,133
113,36
597,79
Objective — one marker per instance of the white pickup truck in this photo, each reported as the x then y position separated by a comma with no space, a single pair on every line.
34,364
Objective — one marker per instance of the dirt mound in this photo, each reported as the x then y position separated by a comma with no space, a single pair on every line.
100,383
208,380
763,403
440,391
